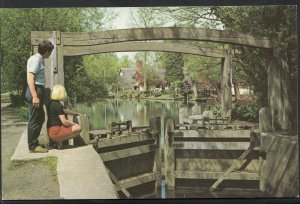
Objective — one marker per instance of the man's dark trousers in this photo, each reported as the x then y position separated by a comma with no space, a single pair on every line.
36,117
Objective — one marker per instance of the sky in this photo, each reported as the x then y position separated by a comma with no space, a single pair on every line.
123,17
122,22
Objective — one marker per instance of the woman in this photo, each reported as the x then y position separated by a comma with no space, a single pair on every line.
59,128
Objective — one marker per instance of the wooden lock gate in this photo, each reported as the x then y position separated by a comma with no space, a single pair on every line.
132,156
212,158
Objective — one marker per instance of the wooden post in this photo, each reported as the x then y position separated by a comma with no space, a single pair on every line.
129,125
183,113
278,91
84,137
169,154
115,180
154,124
60,65
226,95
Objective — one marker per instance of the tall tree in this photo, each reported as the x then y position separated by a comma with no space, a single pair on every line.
269,21
173,62
199,17
194,16
16,25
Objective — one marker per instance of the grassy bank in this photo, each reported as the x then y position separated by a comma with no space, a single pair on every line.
20,111
50,162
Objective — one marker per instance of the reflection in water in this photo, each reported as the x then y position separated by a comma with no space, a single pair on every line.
139,112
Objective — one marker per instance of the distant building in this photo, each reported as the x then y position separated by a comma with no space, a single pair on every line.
127,80
139,76
133,78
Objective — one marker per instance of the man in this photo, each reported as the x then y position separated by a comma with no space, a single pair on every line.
35,94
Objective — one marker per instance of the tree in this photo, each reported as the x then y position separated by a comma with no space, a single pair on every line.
211,67
268,21
173,63
16,25
195,16
80,86
125,62
104,68
260,21
201,17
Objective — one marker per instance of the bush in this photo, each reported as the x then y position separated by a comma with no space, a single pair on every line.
216,109
246,111
146,93
157,94
17,99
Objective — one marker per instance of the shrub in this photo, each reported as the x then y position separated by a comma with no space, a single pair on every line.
216,109
246,111
157,94
17,99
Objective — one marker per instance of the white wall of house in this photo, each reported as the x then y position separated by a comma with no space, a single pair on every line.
243,91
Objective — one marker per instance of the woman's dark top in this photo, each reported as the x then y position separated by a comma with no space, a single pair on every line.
54,109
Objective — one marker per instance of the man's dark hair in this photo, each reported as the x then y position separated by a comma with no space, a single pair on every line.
45,46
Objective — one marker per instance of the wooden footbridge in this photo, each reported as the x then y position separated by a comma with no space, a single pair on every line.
191,157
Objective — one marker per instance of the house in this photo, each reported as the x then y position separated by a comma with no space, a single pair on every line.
127,80
156,79
133,78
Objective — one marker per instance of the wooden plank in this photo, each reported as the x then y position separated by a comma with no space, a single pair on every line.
39,36
98,132
138,180
212,133
235,165
171,33
211,145
216,175
219,165
213,154
114,155
119,140
214,127
143,46
118,184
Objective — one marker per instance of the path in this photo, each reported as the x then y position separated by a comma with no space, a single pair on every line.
81,173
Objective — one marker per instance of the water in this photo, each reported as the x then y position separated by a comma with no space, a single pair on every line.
139,111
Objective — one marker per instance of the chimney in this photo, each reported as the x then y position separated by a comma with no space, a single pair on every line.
139,65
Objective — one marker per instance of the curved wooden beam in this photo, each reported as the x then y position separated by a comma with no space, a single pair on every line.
142,34
142,46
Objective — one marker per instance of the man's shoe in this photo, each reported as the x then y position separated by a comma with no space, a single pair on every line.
39,149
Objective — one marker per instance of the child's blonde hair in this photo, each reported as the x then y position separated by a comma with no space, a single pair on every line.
59,93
